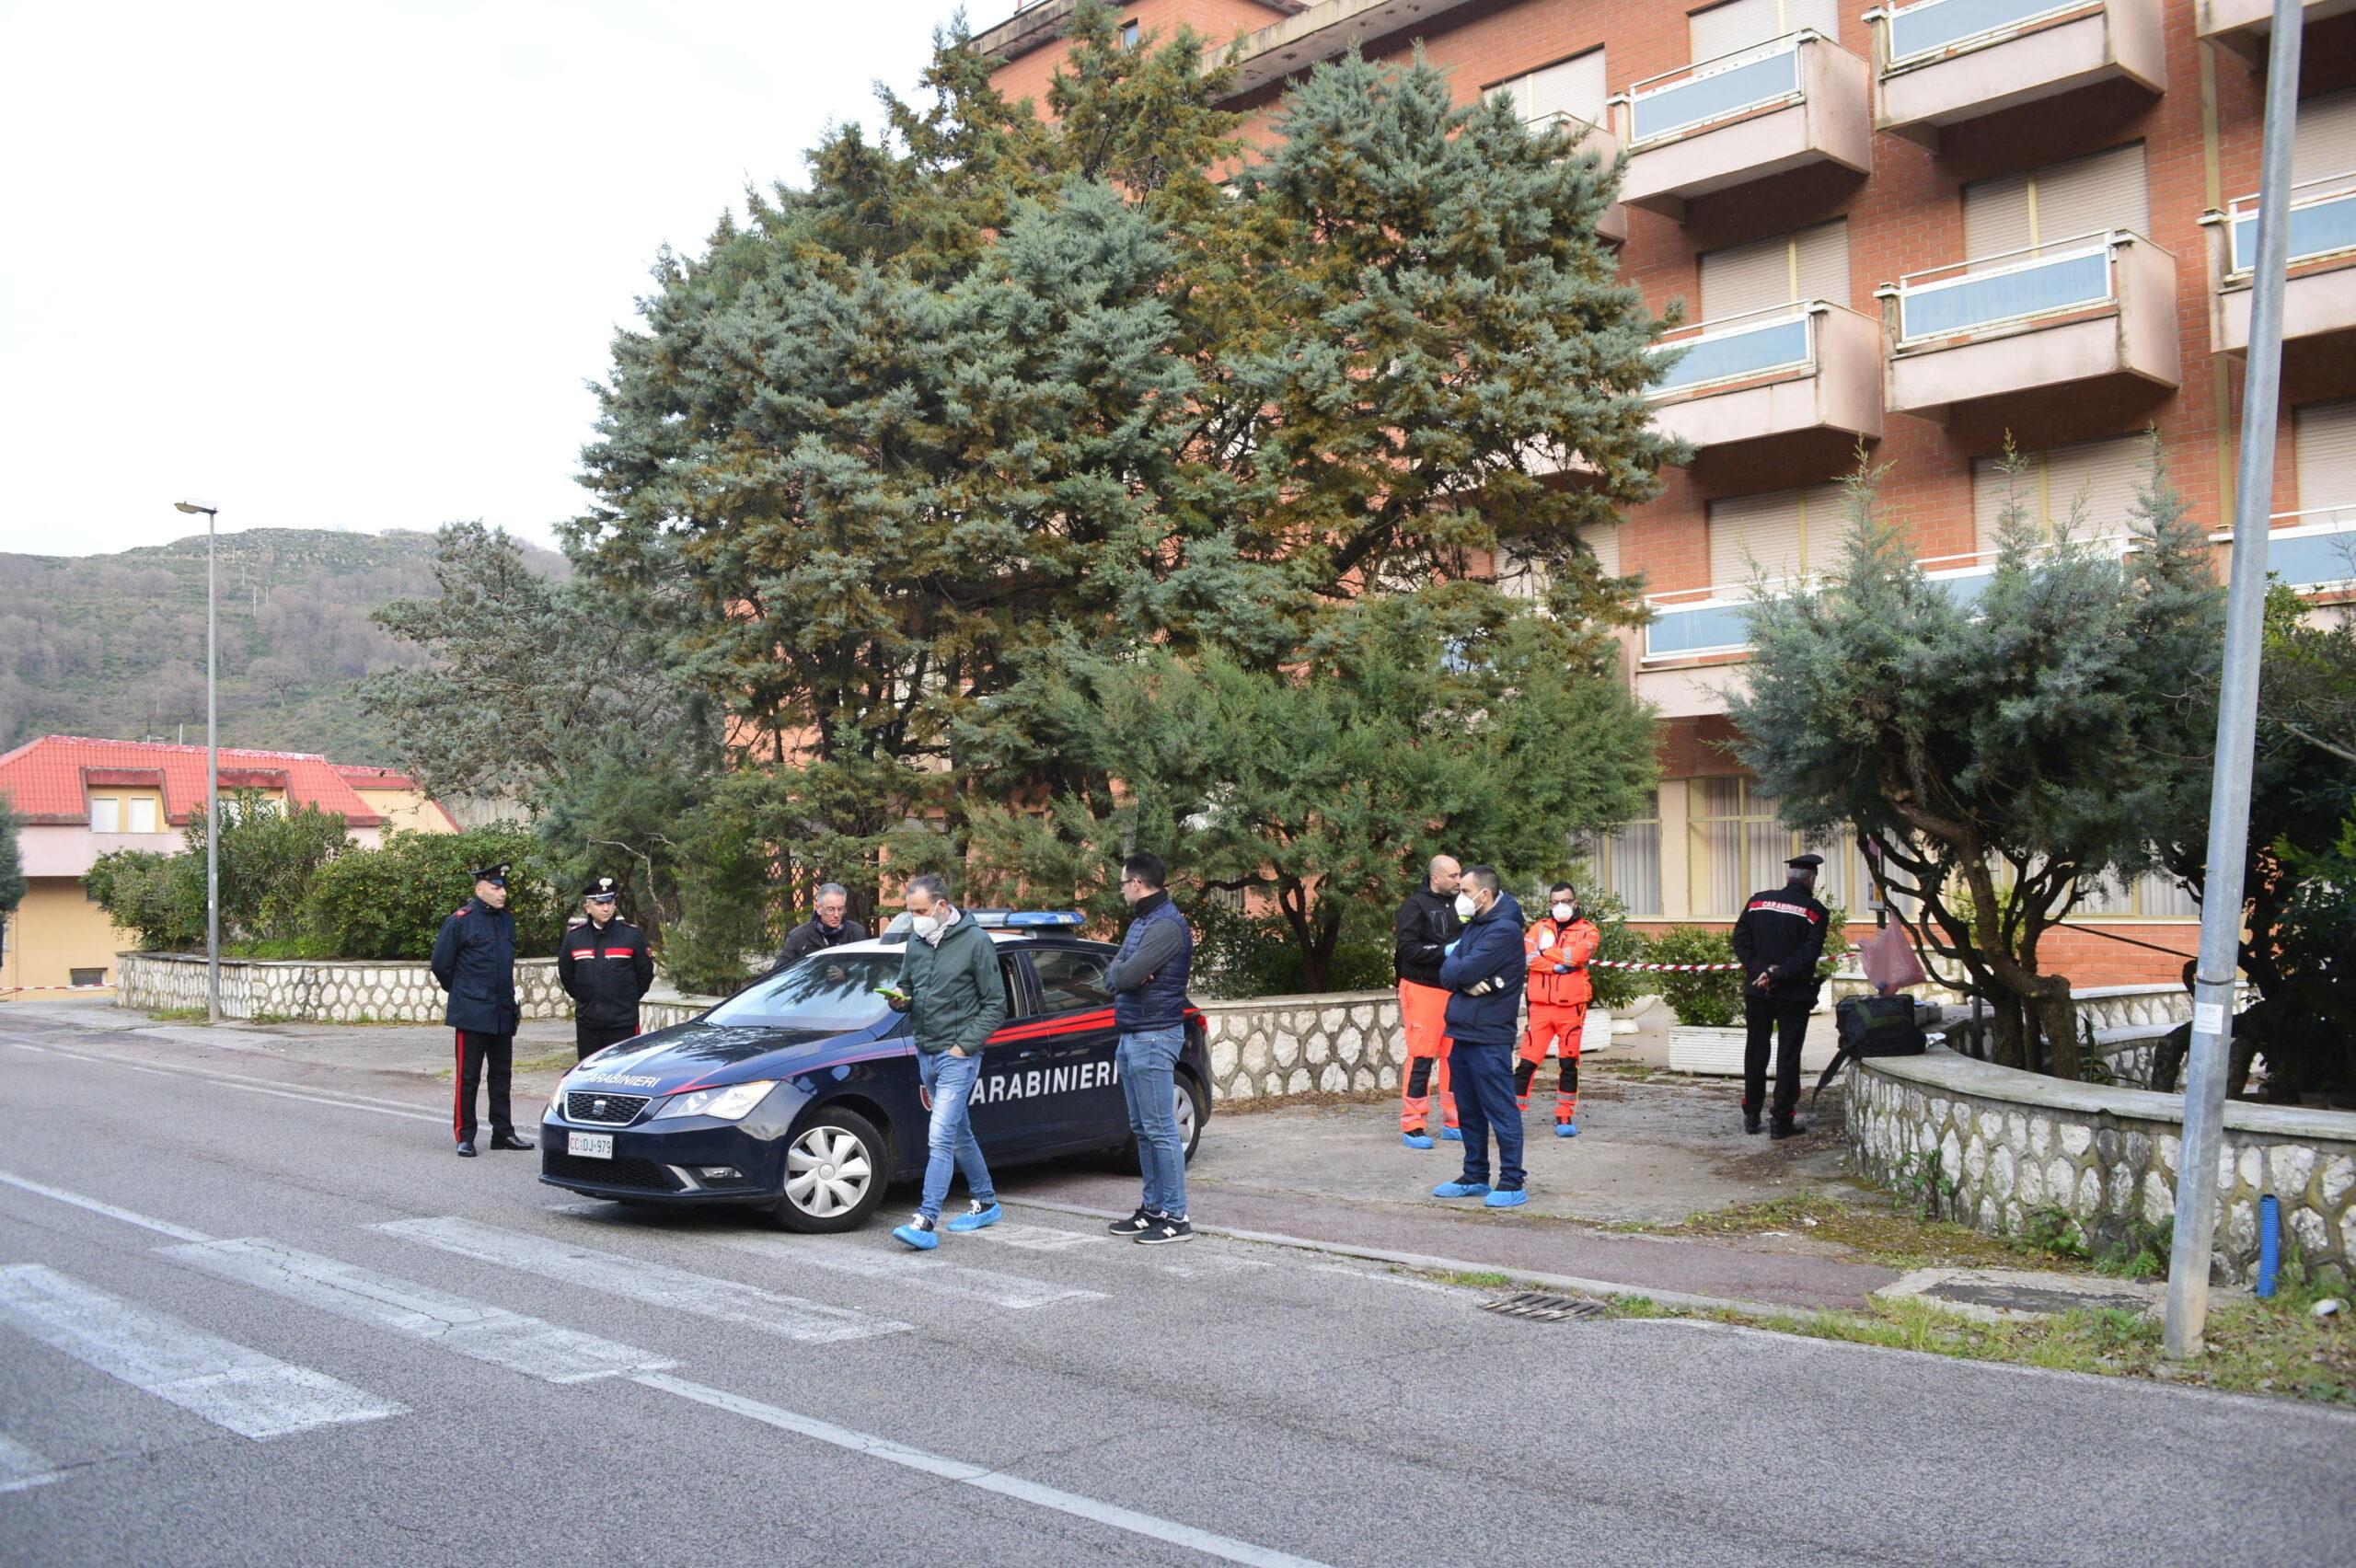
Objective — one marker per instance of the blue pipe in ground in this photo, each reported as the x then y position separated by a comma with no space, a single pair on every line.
2269,1243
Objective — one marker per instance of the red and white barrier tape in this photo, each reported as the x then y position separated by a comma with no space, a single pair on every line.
12,990
1658,968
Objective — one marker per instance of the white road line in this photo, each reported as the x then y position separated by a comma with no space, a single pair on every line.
249,1393
839,1254
21,1470
657,1284
161,1226
474,1329
338,1099
1226,1547
1032,1238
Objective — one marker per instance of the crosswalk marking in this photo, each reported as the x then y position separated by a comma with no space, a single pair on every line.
729,1301
473,1328
1032,1238
249,1393
841,1254
146,1222
20,1468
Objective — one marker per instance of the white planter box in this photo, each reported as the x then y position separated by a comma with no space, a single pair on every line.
1692,1049
1596,1036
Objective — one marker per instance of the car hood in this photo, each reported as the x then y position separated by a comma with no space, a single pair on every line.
699,1054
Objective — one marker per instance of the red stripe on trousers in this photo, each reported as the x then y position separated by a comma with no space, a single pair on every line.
459,1086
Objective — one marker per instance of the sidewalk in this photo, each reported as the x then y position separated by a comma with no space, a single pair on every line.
1650,1150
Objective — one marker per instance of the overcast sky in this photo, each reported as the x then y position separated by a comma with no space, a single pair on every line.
350,264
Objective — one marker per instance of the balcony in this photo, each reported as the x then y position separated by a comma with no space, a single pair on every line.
1713,623
2097,309
1587,137
2242,26
1798,101
2319,298
1945,61
1771,372
2312,551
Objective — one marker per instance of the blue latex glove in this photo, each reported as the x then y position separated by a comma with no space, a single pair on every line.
1448,951
1561,969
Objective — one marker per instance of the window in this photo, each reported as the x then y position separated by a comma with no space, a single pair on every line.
86,977
140,814
106,813
1785,534
2324,434
1129,35
2057,204
1735,846
2091,484
2323,143
1723,29
1627,862
1071,981
1572,87
1812,263
2152,896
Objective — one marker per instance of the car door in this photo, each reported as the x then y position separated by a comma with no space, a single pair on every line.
1077,1037
1012,1113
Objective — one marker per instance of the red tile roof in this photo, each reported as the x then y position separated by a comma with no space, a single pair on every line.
47,781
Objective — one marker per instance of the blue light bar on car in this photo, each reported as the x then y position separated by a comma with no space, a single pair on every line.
1046,917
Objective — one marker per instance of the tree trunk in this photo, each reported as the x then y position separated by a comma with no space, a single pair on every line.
2057,1014
2007,1038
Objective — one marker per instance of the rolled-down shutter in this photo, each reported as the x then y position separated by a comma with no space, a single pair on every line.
1996,217
2326,435
1604,541
1821,262
1575,87
1783,534
1811,264
1739,24
2324,145
2088,195
2097,479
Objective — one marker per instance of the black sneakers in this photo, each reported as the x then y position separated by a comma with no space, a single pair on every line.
1163,1229
1785,1127
1749,1118
1137,1224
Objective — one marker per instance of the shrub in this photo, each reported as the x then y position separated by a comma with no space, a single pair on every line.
268,861
390,903
158,898
1239,954
1712,1000
1616,990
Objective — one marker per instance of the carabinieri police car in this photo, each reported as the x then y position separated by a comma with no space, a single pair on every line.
800,1092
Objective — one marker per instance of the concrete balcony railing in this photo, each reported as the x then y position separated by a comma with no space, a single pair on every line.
1945,61
1770,373
1588,137
2319,296
2312,551
2091,309
1719,123
1714,622
2242,26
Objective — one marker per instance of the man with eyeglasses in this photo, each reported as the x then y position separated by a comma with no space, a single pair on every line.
1149,984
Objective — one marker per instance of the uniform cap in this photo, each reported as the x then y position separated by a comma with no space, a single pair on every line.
1805,862
496,875
601,887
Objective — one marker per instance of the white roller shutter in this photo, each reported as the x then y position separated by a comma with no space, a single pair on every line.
1996,217
1605,542
2326,435
1784,533
2098,478
2324,145
1812,264
1739,24
1570,86
2048,206
1822,15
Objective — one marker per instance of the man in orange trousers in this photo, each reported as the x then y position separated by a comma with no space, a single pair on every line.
1425,924
1559,948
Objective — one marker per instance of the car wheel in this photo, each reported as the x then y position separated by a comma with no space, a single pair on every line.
1192,1114
834,1170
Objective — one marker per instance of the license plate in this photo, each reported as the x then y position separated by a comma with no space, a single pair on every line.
591,1146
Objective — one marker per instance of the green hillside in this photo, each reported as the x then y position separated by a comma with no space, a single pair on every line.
113,645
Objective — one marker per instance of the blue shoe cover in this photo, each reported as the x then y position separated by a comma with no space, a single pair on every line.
1506,1197
923,1240
1460,1190
1566,1129
1451,1135
971,1221
1416,1140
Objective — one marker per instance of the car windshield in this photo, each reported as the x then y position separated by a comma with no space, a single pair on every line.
830,992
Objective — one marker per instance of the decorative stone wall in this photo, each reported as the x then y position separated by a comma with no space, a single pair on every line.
662,1013
2016,1143
1267,1045
318,990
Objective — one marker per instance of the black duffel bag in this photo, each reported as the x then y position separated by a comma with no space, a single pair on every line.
1873,1026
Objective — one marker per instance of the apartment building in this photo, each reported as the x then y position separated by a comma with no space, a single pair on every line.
76,798
1924,227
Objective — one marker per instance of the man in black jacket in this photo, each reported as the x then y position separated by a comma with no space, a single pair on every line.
474,958
1779,937
827,927
604,965
1423,927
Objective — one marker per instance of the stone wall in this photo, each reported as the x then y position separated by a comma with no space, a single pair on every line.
318,990
2016,1143
1269,1046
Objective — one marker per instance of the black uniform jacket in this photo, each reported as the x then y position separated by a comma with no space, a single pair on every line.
474,958
1426,923
604,971
811,937
1781,932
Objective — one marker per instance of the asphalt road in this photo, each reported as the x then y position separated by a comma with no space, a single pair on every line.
257,1320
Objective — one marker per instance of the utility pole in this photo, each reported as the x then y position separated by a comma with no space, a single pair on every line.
2220,904
212,778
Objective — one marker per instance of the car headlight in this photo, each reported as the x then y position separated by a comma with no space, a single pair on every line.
731,1102
556,1100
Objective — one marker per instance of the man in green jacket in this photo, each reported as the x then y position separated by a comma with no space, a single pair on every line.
951,989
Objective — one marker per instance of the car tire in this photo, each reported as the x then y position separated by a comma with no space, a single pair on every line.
837,1166
1192,1113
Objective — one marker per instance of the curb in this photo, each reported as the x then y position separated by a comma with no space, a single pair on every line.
1459,1265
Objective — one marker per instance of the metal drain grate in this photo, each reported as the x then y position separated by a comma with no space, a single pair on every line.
1538,1307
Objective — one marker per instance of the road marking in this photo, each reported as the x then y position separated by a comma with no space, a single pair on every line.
249,1393
913,1270
1032,1238
1226,1547
161,1226
337,1098
21,1470
730,1301
494,1335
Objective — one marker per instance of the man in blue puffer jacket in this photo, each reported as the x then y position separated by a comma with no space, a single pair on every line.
1484,969
1148,986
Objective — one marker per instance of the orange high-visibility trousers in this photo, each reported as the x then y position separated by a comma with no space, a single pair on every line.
1560,1025
1422,1017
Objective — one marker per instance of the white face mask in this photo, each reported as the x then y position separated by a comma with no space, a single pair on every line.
1465,908
1566,912
926,925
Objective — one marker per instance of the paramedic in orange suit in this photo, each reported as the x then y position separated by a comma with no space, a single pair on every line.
1426,923
1559,948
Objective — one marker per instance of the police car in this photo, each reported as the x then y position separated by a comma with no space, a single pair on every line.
800,1093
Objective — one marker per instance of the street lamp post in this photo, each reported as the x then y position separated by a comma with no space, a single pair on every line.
212,781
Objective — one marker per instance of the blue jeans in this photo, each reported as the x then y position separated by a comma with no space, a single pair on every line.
1148,1061
1485,1104
948,1145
